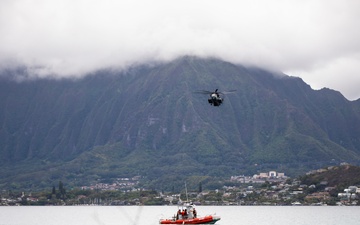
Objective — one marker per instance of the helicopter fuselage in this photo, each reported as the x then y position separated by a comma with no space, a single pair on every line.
215,99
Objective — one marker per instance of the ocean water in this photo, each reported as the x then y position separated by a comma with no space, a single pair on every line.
149,215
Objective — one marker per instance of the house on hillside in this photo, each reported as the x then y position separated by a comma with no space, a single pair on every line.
349,193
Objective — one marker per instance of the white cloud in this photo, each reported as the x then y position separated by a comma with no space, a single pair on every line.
341,74
315,39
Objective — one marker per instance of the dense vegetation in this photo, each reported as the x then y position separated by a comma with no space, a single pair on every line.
338,177
148,121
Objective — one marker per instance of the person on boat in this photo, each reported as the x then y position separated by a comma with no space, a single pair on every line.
181,214
178,214
185,214
194,212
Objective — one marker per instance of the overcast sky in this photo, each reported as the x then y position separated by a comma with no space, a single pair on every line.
317,40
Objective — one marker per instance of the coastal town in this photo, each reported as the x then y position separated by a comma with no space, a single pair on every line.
265,188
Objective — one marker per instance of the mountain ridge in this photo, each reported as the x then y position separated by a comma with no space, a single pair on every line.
149,121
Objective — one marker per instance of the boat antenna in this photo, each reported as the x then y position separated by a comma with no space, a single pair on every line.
187,197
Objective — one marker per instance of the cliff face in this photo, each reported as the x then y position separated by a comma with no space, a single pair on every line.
149,121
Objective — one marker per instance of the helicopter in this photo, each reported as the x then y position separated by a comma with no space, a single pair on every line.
215,98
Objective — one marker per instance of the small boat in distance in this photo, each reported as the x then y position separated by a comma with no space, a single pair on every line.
187,214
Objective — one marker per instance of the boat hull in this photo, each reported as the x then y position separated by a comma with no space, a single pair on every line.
201,220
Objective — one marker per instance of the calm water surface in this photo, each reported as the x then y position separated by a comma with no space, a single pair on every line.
149,215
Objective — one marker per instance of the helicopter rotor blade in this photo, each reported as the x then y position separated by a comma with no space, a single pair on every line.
227,92
203,92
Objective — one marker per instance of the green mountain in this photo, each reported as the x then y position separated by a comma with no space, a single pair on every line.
148,121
